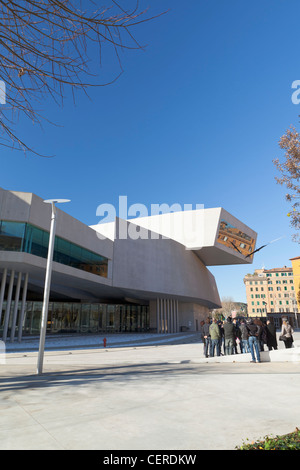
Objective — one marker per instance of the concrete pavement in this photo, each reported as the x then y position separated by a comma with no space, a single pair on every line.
151,397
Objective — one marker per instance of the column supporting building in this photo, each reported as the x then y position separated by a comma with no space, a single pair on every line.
23,304
8,304
2,291
167,320
16,306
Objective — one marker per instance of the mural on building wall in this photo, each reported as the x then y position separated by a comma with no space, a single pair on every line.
235,239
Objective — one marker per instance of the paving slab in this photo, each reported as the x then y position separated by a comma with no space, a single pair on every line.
149,397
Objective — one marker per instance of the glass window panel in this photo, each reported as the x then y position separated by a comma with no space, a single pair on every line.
75,256
39,242
36,318
133,318
144,318
125,318
27,238
18,236
94,318
61,251
49,320
57,312
102,317
27,318
110,318
76,313
138,318
85,256
118,323
75,317
85,318
11,235
66,317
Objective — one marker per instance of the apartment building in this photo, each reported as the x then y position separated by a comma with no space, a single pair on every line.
296,274
271,291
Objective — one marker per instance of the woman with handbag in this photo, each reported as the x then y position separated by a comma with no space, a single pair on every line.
287,334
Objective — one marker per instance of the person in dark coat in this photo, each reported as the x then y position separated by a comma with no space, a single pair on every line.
262,337
222,341
229,335
253,330
244,337
271,336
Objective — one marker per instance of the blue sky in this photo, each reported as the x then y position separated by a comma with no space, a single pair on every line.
194,119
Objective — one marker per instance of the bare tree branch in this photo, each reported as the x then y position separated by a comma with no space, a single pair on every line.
44,47
290,174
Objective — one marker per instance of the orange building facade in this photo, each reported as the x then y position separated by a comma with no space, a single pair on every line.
271,291
296,274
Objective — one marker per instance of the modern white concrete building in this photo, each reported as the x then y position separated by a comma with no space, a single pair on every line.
143,274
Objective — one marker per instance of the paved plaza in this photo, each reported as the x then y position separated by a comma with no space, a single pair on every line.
148,392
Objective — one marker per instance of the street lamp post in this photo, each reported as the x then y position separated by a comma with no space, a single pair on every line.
47,282
265,304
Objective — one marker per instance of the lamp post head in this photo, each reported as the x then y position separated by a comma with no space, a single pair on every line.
50,201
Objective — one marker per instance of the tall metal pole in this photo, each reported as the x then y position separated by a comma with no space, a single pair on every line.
47,283
47,290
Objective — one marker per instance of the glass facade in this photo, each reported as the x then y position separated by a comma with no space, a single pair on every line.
72,317
66,317
24,237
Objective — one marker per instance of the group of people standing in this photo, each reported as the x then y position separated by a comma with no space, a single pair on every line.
247,335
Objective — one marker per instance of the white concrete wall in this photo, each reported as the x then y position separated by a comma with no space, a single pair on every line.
197,230
163,268
191,314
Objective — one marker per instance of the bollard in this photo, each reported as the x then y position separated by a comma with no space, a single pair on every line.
104,343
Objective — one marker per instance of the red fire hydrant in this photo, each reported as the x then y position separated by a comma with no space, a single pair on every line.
104,343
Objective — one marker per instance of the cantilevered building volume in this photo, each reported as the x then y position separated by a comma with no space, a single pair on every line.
142,274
